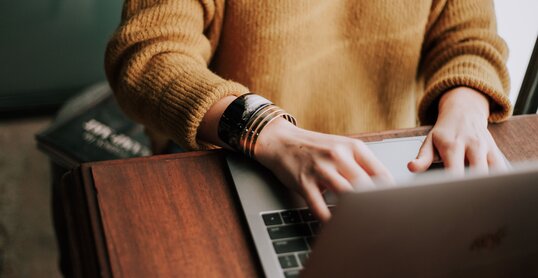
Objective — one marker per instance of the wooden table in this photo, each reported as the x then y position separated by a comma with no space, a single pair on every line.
178,215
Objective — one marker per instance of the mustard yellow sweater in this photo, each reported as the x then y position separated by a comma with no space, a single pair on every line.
338,66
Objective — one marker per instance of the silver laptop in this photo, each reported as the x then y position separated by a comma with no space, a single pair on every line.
481,226
284,230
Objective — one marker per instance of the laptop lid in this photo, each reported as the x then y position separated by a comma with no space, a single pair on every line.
473,227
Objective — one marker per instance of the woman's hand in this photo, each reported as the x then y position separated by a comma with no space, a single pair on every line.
306,161
311,162
460,135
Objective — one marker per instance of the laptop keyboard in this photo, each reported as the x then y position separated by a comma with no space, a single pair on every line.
292,233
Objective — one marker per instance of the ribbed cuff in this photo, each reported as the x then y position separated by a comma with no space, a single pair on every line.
472,72
185,103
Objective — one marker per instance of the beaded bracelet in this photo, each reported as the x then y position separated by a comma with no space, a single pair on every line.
244,119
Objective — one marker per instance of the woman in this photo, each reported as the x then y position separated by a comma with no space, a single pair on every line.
337,67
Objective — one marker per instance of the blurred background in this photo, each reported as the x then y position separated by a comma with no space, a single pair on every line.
52,49
49,51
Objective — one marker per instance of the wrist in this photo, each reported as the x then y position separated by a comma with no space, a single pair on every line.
273,136
207,131
464,99
245,118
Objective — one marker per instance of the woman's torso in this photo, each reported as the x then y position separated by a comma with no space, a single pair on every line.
339,66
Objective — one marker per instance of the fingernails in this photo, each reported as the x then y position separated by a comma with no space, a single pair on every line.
412,165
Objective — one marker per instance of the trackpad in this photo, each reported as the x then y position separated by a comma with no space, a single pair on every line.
396,153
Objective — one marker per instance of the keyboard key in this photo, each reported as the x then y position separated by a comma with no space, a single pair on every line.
291,274
290,245
295,230
315,226
307,215
290,216
288,261
272,219
303,257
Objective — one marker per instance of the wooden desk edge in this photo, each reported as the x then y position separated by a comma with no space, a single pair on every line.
87,243
365,136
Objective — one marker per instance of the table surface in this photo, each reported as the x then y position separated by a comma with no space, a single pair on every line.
178,215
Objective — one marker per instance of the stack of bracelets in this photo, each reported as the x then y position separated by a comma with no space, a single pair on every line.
244,119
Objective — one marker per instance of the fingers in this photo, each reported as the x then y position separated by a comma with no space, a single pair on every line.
479,150
328,177
453,156
496,161
424,158
346,169
350,170
477,157
370,165
361,180
317,204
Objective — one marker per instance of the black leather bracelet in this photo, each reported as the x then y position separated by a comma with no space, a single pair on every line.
236,116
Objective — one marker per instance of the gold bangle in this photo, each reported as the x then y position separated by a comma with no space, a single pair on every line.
252,123
281,113
253,137
258,121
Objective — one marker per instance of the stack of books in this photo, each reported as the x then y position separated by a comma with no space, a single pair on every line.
92,127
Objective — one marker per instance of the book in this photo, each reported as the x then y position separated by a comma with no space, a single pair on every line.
92,127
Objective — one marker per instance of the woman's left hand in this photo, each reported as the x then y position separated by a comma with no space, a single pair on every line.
460,136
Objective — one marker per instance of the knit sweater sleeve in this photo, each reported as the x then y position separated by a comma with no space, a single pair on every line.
462,48
157,65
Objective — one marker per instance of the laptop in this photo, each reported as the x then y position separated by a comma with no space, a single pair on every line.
478,226
285,232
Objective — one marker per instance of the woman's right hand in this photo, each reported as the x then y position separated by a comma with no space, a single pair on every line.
311,162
